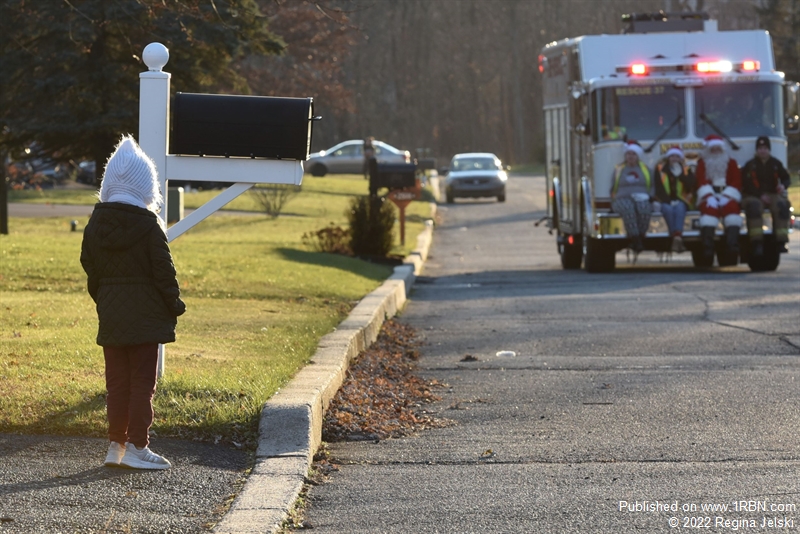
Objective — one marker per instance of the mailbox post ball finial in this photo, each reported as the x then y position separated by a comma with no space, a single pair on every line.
155,56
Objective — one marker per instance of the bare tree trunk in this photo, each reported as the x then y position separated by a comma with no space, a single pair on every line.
516,85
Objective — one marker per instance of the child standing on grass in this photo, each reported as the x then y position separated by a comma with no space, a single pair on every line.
132,279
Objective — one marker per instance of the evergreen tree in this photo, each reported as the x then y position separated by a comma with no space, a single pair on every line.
70,68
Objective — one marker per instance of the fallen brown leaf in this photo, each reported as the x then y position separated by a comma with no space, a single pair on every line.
382,394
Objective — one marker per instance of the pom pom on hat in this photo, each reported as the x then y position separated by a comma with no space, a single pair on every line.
130,177
635,147
675,150
714,140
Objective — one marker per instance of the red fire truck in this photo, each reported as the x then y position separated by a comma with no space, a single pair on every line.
670,79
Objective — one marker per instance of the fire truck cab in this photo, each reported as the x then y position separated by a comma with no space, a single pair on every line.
671,79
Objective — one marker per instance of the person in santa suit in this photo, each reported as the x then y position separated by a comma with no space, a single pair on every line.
631,194
719,192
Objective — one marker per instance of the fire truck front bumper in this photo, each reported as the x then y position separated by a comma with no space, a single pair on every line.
610,226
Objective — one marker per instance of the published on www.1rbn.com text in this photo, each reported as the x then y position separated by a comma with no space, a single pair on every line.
734,515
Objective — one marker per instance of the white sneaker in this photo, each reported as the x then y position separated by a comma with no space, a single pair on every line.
115,453
137,458
677,244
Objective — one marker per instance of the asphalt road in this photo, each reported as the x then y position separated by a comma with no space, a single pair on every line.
656,384
56,484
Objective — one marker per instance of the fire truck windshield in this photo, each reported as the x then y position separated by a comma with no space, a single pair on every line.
739,109
640,112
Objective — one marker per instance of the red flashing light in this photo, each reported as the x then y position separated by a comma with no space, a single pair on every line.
541,63
571,240
714,66
639,68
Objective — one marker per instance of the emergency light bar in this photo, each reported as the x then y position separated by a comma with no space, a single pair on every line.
714,66
751,65
703,67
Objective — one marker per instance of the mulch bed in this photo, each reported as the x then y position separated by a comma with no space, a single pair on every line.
382,397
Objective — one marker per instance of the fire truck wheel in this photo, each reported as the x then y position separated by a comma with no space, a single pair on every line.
599,257
769,260
571,255
700,260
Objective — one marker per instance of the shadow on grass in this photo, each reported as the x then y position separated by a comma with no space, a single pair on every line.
79,419
87,419
369,270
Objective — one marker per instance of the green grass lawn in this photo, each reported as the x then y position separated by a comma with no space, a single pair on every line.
531,168
257,303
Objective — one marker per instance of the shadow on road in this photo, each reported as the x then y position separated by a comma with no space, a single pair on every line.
486,284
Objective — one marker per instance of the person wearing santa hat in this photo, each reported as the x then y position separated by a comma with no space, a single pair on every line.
631,194
674,186
132,280
764,183
719,186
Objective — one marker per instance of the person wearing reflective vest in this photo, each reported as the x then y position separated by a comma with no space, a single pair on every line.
674,187
631,194
764,183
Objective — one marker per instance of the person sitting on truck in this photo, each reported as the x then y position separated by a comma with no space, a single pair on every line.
674,187
631,194
719,186
764,184
613,134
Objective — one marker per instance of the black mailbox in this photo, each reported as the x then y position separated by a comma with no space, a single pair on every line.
246,126
395,175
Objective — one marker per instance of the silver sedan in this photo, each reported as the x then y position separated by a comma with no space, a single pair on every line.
348,158
475,175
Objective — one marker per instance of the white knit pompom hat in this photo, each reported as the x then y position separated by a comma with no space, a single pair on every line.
130,177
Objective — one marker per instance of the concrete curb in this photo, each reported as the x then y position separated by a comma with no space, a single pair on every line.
290,429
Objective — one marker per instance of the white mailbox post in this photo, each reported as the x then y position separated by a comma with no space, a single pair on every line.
154,86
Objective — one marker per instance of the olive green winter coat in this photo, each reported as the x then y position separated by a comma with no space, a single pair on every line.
131,276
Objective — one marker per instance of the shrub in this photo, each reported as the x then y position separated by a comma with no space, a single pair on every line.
371,220
332,239
273,197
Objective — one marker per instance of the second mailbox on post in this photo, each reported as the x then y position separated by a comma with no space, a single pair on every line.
392,176
241,126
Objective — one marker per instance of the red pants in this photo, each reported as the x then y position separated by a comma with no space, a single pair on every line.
729,213
131,383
